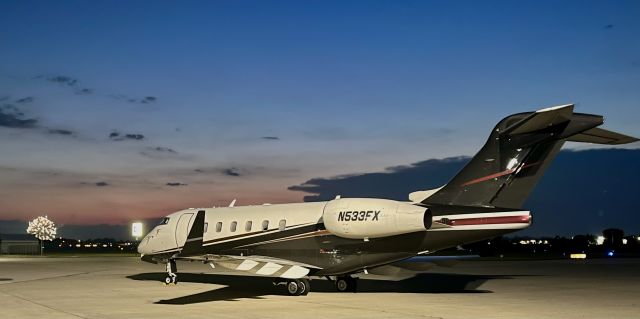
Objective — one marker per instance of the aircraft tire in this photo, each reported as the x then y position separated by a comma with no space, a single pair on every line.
346,284
307,286
293,287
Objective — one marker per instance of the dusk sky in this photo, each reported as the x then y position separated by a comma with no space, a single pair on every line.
120,110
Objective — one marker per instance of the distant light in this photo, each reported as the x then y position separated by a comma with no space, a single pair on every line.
136,229
610,254
600,240
578,256
624,241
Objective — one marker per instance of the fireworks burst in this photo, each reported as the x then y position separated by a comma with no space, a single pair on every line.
42,228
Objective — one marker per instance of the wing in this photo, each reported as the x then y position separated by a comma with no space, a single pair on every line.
257,265
414,265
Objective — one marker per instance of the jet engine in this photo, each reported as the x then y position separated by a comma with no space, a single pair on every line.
361,218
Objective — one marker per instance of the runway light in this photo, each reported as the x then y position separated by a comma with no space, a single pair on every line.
578,256
600,240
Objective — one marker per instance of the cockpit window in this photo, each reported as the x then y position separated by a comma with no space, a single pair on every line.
165,221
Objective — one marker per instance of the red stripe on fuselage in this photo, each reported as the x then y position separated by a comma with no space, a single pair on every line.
524,219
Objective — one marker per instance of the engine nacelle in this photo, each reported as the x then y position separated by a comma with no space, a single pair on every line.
360,218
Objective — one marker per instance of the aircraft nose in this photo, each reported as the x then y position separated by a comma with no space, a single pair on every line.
142,247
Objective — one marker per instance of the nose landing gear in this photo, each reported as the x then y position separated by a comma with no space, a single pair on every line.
172,276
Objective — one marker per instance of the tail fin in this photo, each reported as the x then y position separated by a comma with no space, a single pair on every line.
518,151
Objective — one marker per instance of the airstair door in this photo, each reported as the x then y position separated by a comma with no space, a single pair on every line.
182,229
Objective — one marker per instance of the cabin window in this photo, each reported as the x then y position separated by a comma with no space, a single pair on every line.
233,227
218,227
247,226
206,226
283,224
265,225
165,221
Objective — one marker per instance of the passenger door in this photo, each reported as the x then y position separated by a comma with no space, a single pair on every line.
182,228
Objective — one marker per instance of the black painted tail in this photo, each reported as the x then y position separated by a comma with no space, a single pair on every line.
518,151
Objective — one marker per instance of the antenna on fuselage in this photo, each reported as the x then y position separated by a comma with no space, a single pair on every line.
233,203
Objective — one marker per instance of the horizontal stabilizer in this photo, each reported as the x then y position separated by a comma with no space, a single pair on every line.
601,136
541,119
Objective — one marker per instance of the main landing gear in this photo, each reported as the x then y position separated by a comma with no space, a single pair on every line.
172,276
346,284
295,287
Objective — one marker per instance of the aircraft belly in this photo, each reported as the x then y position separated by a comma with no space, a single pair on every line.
336,255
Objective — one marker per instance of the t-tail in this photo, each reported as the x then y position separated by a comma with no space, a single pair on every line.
518,151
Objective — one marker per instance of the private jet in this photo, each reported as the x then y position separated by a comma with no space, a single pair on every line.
344,238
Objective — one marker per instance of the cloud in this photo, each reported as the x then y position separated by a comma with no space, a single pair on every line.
61,79
12,117
24,100
117,136
164,153
232,171
274,138
60,132
176,184
148,99
74,83
84,91
394,182
143,100
226,171
163,150
101,184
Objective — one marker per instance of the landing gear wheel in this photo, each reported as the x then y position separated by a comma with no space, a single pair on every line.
306,286
293,287
172,269
346,284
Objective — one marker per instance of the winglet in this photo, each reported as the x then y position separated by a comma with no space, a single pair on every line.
193,244
233,203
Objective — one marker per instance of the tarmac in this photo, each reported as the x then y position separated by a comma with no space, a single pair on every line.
125,287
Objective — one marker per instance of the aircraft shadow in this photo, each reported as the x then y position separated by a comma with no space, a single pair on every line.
238,287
